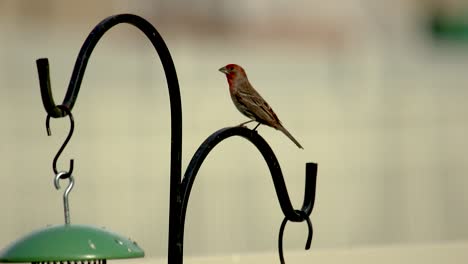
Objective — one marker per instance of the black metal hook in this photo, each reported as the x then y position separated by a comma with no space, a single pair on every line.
281,231
275,171
70,133
272,162
174,255
85,53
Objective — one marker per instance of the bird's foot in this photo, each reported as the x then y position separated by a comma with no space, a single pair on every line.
255,128
245,123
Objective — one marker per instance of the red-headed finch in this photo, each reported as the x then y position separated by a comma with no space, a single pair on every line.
249,102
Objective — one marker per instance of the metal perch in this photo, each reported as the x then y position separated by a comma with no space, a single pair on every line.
179,187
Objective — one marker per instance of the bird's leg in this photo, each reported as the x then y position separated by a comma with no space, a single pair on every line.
256,126
242,124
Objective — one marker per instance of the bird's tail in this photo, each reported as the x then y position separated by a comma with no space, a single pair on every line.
286,132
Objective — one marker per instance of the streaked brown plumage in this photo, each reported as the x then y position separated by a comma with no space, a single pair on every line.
249,102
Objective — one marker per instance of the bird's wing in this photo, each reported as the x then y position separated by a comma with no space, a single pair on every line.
255,104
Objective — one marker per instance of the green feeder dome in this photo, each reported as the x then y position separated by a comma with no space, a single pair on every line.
71,243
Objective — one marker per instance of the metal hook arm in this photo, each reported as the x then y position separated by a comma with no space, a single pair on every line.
70,133
85,53
273,165
275,170
310,187
174,95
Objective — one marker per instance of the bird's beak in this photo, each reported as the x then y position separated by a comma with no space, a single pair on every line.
223,70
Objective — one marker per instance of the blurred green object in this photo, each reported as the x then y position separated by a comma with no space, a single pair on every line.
449,27
70,243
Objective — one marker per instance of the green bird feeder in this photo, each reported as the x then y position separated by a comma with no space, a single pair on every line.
70,243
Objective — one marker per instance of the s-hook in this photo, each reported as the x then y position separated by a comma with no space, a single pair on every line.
66,208
281,231
68,173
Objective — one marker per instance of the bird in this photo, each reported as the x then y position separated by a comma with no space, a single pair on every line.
250,103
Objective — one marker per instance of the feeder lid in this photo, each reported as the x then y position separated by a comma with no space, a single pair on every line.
70,243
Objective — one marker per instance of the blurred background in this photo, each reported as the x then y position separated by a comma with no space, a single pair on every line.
374,90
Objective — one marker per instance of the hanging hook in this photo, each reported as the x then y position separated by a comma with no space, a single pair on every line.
70,133
66,208
283,225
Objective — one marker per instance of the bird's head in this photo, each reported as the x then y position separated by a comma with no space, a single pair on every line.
233,71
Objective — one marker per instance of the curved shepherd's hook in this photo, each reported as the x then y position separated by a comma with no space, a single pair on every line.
275,171
179,189
174,95
278,180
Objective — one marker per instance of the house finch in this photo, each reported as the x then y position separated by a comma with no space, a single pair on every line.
249,102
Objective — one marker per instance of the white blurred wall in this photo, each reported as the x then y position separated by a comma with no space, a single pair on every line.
374,102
